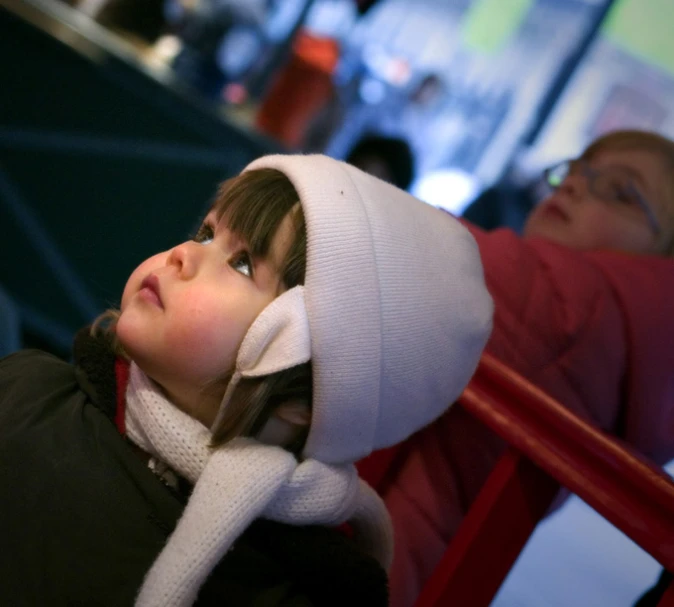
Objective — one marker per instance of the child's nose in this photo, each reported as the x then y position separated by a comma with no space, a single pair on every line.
574,186
184,258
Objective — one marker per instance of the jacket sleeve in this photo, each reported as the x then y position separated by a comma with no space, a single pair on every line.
25,376
643,288
594,330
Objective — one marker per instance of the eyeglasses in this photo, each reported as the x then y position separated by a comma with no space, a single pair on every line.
611,185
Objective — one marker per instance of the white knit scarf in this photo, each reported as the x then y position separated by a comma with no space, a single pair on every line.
234,485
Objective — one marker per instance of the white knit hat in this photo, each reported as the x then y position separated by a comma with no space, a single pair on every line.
398,311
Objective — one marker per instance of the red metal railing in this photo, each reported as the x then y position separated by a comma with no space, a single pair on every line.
549,446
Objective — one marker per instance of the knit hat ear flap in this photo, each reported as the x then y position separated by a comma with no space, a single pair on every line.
278,339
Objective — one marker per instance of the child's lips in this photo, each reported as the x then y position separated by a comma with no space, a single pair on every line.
149,290
554,210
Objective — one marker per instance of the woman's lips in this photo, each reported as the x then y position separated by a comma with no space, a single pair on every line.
149,290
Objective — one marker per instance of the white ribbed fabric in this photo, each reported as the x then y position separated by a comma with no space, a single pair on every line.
278,339
396,302
235,484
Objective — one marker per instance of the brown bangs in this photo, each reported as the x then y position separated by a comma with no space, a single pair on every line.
254,204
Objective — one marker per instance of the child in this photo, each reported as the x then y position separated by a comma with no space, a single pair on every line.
318,314
583,309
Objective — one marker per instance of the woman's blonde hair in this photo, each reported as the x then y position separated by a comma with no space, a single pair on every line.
254,204
646,141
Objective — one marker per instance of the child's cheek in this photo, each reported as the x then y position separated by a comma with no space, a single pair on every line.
200,335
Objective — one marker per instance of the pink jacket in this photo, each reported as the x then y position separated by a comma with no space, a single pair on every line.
594,330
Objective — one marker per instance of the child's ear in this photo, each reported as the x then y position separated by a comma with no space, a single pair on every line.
284,425
294,412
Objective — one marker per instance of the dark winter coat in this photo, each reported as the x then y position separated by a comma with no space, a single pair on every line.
82,517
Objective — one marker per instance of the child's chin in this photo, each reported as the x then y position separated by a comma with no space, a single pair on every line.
127,331
544,227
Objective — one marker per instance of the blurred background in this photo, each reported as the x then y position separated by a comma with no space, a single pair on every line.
119,117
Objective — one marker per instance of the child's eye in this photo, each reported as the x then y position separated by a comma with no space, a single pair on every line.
205,234
243,264
623,194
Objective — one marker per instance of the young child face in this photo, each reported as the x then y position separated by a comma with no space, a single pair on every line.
185,311
576,217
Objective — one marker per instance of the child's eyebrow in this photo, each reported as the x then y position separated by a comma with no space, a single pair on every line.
235,240
632,172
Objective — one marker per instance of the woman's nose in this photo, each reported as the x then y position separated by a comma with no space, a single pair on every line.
184,258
